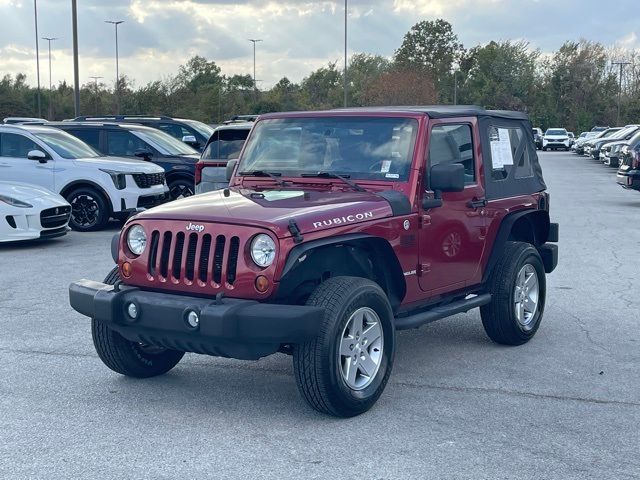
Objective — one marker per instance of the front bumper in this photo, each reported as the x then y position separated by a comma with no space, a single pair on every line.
235,328
629,179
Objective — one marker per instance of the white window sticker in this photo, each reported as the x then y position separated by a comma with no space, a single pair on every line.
386,165
392,175
501,153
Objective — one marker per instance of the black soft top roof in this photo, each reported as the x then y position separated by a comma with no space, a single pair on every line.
445,111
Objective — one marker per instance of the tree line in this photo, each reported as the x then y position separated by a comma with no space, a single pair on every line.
577,86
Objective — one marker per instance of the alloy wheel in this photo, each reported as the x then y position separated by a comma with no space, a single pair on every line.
526,296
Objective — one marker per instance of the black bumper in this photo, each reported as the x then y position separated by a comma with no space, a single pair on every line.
243,329
629,179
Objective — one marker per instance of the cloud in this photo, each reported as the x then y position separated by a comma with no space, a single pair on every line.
299,35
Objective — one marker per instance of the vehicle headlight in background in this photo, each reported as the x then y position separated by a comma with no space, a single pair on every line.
119,178
14,202
263,250
136,239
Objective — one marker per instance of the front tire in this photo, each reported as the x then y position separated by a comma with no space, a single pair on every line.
518,292
345,369
89,209
129,358
181,188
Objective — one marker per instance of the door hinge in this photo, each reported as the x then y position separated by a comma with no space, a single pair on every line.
424,221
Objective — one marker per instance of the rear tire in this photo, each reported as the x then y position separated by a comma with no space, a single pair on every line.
89,209
126,357
518,292
358,320
181,188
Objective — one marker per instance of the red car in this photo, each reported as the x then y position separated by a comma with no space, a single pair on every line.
338,228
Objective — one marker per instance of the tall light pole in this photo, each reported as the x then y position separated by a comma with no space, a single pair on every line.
115,23
621,65
76,67
346,84
35,15
50,39
95,79
255,85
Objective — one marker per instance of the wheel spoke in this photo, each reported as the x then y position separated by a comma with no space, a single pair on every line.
351,371
367,365
529,305
521,311
346,346
531,281
355,328
372,332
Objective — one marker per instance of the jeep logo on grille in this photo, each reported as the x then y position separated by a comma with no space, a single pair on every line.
192,227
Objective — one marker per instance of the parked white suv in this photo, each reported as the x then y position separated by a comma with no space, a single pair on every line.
97,187
556,138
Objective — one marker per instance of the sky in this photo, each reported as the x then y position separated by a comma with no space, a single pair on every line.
298,36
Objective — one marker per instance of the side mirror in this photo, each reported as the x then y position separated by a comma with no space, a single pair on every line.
38,155
444,177
144,154
191,140
231,166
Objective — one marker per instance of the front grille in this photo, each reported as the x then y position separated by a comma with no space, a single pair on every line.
146,180
193,257
55,217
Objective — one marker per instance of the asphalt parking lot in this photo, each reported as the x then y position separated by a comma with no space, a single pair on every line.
566,405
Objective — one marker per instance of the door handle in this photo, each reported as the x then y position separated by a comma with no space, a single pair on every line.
477,203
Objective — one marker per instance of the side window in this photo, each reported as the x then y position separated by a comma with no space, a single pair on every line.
88,136
509,153
175,130
452,143
16,146
123,143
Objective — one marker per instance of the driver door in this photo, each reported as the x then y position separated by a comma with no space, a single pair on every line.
15,165
452,237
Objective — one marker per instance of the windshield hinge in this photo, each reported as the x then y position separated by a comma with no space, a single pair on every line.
295,231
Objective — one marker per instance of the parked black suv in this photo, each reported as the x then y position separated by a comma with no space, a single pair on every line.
193,133
137,141
629,171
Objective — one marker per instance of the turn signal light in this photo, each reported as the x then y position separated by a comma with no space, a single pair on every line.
262,284
126,269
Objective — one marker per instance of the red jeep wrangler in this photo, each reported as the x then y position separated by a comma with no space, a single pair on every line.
338,228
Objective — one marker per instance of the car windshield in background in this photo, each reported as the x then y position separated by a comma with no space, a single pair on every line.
226,144
355,147
164,143
556,132
202,128
67,146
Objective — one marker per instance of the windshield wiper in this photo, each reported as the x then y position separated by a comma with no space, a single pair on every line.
263,173
344,178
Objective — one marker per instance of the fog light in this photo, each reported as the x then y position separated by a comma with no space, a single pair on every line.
262,283
126,269
132,310
193,320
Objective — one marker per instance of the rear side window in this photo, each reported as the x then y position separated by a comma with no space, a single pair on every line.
509,153
123,143
175,130
226,144
16,146
452,143
88,136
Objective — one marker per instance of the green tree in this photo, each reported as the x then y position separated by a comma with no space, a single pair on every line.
432,46
363,70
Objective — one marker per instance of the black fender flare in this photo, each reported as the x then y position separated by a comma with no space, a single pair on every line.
395,286
64,191
506,226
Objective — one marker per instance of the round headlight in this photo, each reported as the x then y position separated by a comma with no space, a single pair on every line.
136,239
263,250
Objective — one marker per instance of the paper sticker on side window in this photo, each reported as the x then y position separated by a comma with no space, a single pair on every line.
501,152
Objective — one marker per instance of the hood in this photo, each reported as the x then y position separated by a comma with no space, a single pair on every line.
26,191
120,164
311,209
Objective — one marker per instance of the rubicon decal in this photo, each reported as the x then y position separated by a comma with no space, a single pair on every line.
192,227
343,220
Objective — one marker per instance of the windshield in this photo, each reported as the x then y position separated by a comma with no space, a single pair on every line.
202,128
164,143
67,146
556,131
355,147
